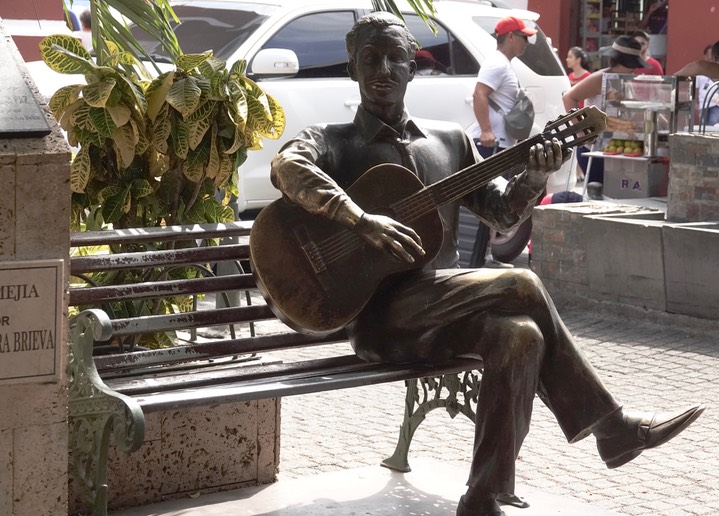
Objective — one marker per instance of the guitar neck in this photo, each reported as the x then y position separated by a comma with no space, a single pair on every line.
571,130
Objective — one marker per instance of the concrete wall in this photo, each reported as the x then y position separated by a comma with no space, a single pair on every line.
194,451
564,244
34,224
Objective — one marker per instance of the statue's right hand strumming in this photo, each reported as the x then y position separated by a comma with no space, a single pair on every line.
386,233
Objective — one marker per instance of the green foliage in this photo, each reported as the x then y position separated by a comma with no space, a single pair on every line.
155,152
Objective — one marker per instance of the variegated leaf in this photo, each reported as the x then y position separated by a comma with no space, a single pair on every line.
80,171
65,54
211,66
184,96
241,107
237,142
162,130
97,94
80,117
238,68
63,98
278,118
179,140
120,114
133,91
225,173
124,140
102,121
199,122
142,142
213,162
187,62
115,206
141,188
108,192
156,93
194,166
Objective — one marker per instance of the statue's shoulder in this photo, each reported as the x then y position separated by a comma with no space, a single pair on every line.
439,127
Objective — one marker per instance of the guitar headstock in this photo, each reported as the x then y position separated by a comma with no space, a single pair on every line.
577,127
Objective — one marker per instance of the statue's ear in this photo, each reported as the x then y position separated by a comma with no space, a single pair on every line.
352,70
412,69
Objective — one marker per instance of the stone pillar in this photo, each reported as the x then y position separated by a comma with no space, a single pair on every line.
693,194
34,245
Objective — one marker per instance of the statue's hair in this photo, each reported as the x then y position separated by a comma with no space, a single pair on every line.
378,19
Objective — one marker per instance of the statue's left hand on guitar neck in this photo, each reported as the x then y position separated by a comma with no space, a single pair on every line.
543,161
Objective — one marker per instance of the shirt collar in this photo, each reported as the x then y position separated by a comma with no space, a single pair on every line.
371,127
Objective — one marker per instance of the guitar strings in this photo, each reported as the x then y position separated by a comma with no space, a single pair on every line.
344,242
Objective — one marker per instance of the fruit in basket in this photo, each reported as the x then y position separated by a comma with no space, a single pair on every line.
614,147
634,149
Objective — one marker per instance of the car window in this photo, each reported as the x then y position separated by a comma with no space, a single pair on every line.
203,28
440,54
319,41
539,57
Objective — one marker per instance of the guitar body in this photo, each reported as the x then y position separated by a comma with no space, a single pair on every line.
316,275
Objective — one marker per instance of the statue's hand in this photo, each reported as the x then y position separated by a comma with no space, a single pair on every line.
386,233
544,159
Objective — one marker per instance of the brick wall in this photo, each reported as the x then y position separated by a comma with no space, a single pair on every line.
693,194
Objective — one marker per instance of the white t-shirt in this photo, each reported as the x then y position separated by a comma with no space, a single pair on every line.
497,73
703,83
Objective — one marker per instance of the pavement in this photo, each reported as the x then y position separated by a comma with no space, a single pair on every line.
333,442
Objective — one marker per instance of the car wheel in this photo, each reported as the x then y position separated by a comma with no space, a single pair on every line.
507,246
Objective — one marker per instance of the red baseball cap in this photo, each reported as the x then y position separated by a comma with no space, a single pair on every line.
512,24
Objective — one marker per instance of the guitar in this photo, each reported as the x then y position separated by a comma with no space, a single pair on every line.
316,275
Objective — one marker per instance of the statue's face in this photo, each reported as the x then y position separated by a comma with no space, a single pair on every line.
382,65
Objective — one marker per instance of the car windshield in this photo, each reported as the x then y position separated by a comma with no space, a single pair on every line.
205,27
539,57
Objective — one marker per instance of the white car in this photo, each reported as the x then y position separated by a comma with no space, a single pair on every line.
295,49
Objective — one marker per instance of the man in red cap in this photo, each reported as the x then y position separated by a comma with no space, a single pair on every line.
494,95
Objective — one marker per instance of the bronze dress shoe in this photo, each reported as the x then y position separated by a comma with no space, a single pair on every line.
483,508
638,432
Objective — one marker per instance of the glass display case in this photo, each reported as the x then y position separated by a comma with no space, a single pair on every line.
642,111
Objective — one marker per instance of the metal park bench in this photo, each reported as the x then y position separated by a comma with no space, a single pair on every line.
115,380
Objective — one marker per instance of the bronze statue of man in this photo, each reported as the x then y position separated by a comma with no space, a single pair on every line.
440,311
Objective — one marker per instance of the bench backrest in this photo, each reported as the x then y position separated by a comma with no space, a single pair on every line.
140,252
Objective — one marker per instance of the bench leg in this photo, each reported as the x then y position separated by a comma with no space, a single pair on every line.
433,396
96,412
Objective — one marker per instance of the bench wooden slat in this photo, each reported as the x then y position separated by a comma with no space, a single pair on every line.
195,255
139,360
198,319
168,288
318,380
173,233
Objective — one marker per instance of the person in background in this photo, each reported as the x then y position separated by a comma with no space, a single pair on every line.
708,68
494,95
579,64
710,115
581,68
427,64
85,34
624,57
655,19
655,67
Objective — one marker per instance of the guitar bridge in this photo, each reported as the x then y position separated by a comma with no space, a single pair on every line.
313,255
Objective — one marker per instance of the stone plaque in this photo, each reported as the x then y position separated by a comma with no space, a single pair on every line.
20,115
31,314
